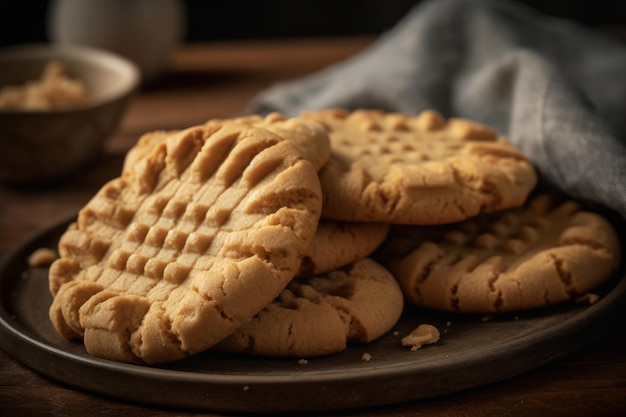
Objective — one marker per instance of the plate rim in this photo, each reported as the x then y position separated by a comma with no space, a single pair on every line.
18,343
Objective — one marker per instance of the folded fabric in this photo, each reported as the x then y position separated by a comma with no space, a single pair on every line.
555,89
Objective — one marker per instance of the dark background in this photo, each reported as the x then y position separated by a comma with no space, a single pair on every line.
24,21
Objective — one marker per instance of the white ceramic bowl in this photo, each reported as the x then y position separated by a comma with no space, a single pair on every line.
43,145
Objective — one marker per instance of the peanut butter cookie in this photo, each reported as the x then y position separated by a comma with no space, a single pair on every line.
548,251
389,167
323,314
196,237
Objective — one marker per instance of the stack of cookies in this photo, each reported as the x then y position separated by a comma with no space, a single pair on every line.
296,237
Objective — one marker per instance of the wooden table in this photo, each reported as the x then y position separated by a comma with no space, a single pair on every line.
217,80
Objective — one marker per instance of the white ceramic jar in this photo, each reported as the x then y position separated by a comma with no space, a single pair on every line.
145,31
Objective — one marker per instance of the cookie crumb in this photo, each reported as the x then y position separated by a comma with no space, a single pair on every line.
302,362
41,257
487,317
366,357
421,335
246,388
589,298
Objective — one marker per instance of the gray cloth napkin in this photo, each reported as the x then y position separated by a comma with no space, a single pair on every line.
556,89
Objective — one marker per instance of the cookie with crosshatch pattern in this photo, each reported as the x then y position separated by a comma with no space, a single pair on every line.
320,315
549,251
195,238
310,138
394,168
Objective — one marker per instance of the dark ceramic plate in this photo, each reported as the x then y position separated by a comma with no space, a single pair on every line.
472,352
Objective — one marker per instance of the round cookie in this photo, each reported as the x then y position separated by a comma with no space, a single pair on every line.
310,138
195,239
546,252
337,244
146,144
321,315
389,167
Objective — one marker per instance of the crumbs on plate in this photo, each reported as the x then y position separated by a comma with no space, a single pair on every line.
422,335
41,257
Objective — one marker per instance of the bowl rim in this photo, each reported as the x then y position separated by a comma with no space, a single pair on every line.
103,58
